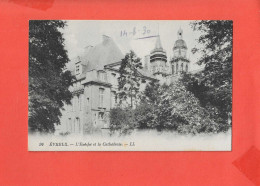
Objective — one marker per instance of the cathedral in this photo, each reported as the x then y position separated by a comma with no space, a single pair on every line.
96,71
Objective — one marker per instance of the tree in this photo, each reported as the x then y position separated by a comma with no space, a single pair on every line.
179,110
129,79
145,110
215,81
48,81
122,120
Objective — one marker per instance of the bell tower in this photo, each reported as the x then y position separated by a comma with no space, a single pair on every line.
179,62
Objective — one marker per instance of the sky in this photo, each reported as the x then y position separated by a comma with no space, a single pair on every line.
134,35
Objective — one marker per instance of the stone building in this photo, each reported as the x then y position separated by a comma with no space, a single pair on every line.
95,88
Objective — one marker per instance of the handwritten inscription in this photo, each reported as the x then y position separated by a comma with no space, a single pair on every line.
144,31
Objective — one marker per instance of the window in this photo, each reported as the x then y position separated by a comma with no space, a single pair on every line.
153,69
182,67
77,69
113,78
79,103
173,69
77,125
73,103
69,125
87,101
101,97
74,126
186,68
177,68
113,99
101,115
102,76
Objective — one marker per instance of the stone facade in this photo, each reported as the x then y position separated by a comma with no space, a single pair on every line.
94,91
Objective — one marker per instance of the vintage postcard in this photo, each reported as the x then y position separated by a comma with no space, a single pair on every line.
130,85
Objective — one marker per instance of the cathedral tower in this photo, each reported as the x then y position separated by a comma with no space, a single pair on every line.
158,59
179,62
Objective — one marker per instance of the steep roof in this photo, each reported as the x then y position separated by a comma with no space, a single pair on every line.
102,54
158,44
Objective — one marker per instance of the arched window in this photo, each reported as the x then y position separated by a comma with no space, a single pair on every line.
177,68
182,67
187,68
173,69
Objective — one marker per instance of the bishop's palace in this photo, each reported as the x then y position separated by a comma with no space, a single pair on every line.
97,70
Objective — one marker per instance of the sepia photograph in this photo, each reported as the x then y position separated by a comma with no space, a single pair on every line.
130,85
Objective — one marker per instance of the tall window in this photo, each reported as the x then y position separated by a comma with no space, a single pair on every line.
173,69
102,76
187,68
101,97
74,125
113,99
79,103
77,125
113,78
177,68
73,103
87,102
77,69
69,126
182,67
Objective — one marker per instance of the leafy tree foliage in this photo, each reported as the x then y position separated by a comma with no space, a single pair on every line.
214,84
48,82
178,109
129,80
122,120
167,107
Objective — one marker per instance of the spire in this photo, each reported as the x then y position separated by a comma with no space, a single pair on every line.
179,33
158,44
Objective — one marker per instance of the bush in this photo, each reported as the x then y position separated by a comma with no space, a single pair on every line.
122,120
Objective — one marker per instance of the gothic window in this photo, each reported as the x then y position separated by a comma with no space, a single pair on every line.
173,69
101,97
182,67
186,68
177,68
